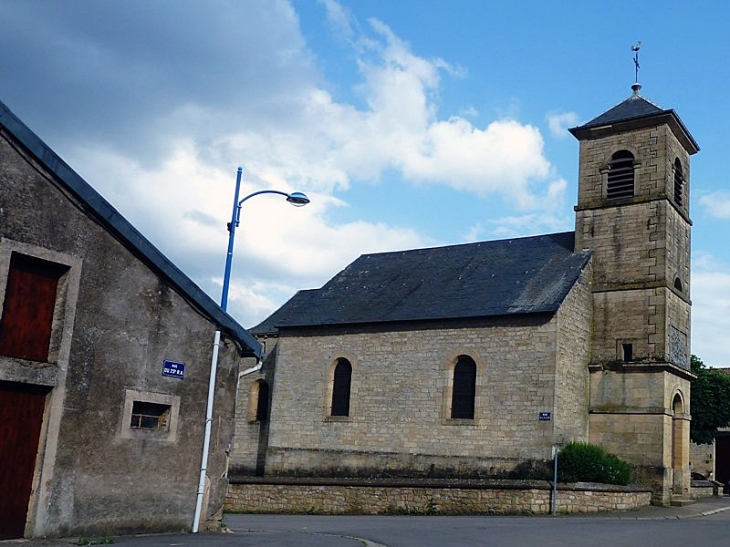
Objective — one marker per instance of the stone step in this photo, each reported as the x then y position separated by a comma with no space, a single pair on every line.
681,502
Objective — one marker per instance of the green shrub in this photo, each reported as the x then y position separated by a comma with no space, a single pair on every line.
583,462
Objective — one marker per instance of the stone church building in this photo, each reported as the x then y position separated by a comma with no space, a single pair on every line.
471,360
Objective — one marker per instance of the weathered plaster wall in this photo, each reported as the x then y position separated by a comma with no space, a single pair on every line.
93,475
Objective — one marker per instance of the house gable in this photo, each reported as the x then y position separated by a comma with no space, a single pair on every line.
108,217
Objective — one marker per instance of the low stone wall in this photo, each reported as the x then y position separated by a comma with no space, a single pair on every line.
426,497
704,489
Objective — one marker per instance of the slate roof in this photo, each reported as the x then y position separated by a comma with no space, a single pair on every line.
486,279
635,106
636,111
97,207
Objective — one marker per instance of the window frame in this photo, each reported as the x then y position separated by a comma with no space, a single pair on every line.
341,389
329,382
168,434
31,283
679,181
621,175
67,292
449,368
255,402
464,388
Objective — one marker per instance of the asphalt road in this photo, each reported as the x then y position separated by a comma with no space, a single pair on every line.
713,530
706,523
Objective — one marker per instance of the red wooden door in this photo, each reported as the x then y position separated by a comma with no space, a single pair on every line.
27,316
21,417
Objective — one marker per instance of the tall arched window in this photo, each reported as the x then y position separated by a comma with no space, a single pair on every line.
341,381
464,391
262,403
620,175
678,182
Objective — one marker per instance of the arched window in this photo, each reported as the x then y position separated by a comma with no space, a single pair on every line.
262,403
464,391
620,176
678,284
341,381
678,182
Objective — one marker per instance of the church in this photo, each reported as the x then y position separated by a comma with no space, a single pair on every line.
473,360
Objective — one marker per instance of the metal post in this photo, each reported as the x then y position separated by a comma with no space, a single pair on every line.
297,199
231,235
214,359
556,451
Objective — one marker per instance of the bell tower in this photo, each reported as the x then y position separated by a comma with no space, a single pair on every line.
633,214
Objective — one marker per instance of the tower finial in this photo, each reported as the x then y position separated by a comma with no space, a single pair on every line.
635,48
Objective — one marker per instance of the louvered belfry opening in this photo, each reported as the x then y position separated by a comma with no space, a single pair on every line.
464,392
341,388
621,176
678,182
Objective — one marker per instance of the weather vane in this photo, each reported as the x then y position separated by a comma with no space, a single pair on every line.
635,48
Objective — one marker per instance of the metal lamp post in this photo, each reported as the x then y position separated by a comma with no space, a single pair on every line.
297,199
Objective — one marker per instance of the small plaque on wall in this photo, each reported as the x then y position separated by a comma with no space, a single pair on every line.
173,369
545,416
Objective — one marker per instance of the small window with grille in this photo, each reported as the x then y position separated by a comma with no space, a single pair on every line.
147,415
620,176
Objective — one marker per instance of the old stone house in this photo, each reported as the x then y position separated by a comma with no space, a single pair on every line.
472,360
105,352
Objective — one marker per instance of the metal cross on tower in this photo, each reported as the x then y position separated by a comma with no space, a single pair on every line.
635,48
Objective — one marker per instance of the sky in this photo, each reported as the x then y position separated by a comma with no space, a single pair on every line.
408,124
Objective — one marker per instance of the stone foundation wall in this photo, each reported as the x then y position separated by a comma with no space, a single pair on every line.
428,497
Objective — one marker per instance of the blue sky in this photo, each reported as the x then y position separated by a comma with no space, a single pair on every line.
407,123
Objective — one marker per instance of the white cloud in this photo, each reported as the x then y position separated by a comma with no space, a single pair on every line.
710,310
717,203
328,145
161,124
560,122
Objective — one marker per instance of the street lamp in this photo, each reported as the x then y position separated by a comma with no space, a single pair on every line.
297,199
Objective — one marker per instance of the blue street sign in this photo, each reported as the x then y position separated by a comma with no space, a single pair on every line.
544,416
174,369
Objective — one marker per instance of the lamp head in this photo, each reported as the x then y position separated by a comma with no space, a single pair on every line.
297,199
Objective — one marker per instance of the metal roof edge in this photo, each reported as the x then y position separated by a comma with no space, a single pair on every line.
124,231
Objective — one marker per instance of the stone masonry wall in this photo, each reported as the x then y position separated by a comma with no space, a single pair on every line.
528,498
400,400
399,420
702,458
571,374
632,416
641,248
654,149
